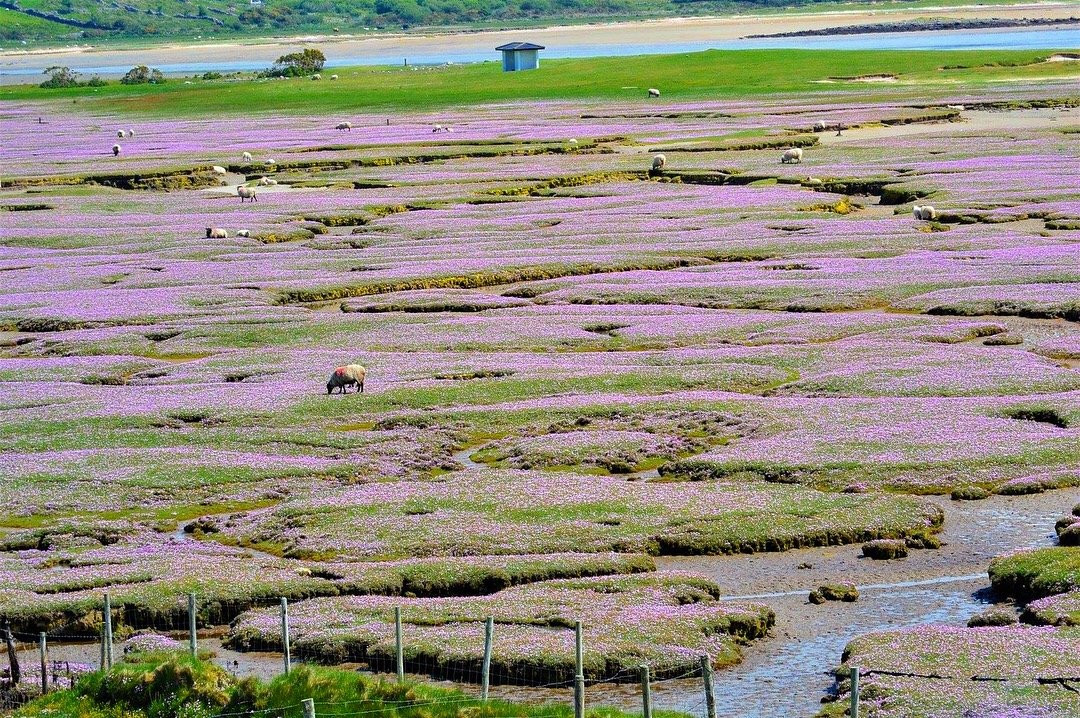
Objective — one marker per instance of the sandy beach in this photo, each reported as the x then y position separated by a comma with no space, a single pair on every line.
450,44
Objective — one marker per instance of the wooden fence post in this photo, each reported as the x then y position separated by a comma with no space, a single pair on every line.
44,656
646,692
854,693
489,640
108,636
193,639
399,645
706,677
579,674
286,655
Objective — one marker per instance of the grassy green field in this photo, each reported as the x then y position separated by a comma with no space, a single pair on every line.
713,74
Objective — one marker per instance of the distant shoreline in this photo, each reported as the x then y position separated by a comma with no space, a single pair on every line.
466,46
926,26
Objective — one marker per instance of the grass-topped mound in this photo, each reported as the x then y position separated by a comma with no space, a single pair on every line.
1037,573
491,510
953,671
665,620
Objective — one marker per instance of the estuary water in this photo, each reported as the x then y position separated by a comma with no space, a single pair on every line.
477,47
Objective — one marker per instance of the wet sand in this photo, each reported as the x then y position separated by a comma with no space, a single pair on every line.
450,44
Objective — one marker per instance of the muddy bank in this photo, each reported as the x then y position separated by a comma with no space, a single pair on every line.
928,25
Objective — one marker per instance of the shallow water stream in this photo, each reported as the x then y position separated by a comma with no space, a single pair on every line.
787,675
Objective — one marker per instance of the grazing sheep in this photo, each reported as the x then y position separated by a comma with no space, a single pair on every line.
571,141
121,134
246,193
304,570
448,128
243,233
316,76
219,170
819,126
343,126
116,150
131,133
653,92
216,233
437,128
333,77
792,156
346,376
923,212
658,163
267,181
247,157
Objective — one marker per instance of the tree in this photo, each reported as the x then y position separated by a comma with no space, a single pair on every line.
60,76
307,62
142,75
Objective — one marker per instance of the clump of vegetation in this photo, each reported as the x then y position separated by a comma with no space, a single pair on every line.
298,64
143,75
992,617
969,493
62,77
846,592
885,549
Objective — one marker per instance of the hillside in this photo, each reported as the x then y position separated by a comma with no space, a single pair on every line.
42,21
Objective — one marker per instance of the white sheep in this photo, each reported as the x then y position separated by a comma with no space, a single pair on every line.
819,126
116,150
812,181
955,107
267,181
923,212
219,170
121,134
571,141
333,77
131,133
792,156
216,233
246,193
658,163
437,128
304,570
346,376
247,157
243,233
448,128
653,92
343,126
270,161
316,76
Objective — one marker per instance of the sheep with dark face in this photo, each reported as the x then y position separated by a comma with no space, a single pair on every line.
116,150
346,376
216,233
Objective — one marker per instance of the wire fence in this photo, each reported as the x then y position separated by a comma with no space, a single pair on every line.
56,658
